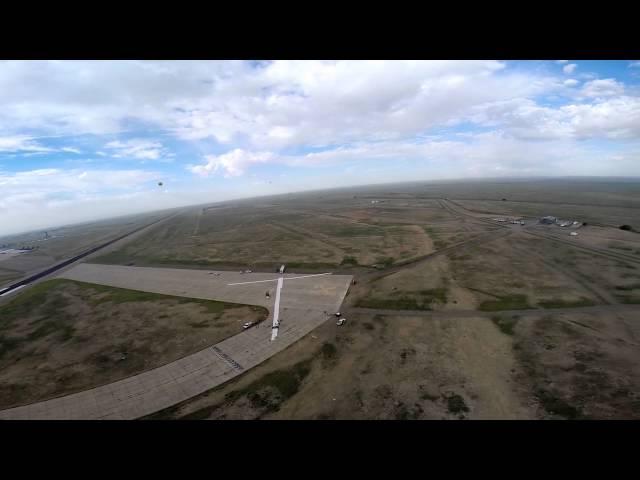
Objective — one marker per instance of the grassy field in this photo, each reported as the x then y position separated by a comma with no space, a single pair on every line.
309,237
63,336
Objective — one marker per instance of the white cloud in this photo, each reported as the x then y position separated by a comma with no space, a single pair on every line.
613,117
476,155
233,163
562,61
283,103
324,103
21,143
70,150
635,64
45,197
602,88
571,82
569,69
136,148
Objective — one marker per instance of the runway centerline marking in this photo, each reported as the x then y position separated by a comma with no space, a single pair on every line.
276,311
276,306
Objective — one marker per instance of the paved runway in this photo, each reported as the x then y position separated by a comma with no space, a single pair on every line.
302,305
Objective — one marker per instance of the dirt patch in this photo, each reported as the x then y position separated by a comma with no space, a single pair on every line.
579,366
380,368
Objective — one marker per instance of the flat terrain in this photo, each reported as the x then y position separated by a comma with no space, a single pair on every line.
385,367
64,336
302,237
451,314
62,243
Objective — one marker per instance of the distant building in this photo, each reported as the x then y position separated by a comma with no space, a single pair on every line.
549,220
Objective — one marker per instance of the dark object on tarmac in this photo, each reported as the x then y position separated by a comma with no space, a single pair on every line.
628,228
160,184
504,199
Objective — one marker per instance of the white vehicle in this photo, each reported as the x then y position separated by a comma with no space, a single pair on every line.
338,314
247,325
282,267
276,324
341,321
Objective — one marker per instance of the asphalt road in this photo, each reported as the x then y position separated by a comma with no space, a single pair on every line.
48,271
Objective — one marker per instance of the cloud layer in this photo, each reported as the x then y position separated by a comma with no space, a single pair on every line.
213,124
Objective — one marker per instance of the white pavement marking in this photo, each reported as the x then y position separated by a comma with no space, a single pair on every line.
307,276
274,279
257,281
276,311
11,291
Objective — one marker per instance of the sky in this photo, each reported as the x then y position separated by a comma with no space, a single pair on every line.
83,140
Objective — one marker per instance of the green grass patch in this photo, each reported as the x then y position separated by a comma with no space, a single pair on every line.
329,351
557,406
124,295
506,325
434,294
426,396
356,231
400,303
30,299
484,292
628,299
7,344
46,302
266,393
510,302
633,286
349,261
384,261
559,303
456,404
